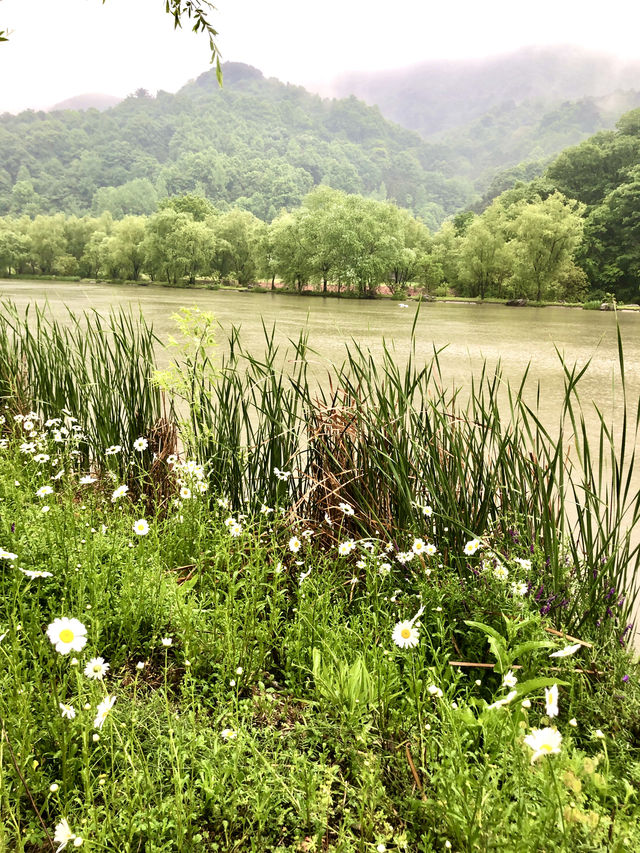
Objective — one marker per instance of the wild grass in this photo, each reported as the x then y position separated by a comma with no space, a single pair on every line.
101,367
389,438
385,436
260,700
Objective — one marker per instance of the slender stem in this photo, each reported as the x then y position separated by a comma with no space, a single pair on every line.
557,790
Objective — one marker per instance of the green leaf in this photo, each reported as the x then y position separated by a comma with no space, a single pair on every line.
534,684
487,629
530,646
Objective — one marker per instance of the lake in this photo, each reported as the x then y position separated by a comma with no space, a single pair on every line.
470,333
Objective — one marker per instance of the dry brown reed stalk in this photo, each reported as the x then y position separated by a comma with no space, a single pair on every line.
163,442
338,470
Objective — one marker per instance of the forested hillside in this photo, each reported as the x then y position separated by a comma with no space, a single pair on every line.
257,144
570,235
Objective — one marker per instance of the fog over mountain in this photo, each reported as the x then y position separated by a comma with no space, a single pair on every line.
87,101
439,95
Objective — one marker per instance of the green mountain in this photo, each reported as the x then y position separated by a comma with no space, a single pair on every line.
262,145
256,143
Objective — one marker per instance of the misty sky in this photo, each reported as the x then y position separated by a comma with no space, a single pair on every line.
60,48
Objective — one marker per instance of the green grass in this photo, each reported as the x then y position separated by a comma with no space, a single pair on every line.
283,716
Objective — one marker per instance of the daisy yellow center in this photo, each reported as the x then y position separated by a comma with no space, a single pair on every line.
546,747
406,633
66,635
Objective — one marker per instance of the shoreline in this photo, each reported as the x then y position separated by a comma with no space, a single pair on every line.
266,289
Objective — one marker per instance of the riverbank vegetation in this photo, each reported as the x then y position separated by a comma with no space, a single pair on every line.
248,609
569,236
337,242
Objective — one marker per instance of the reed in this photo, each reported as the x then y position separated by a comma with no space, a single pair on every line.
98,369
386,438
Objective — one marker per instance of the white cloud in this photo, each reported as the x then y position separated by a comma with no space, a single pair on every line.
63,47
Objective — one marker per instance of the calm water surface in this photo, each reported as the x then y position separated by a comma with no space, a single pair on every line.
469,333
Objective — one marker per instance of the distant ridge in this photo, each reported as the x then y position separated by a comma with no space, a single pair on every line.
440,95
87,101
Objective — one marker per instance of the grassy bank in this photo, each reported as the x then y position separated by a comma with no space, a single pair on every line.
264,287
332,624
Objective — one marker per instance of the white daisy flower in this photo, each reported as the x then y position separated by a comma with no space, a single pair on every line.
228,734
509,680
141,527
36,573
435,691
471,547
96,668
63,835
87,480
405,557
43,491
519,589
235,529
419,546
167,641
551,700
346,508
430,549
543,742
103,710
111,451
67,635
185,493
140,444
282,475
7,555
564,653
501,572
525,564
68,711
294,544
405,635
41,458
345,548
120,492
